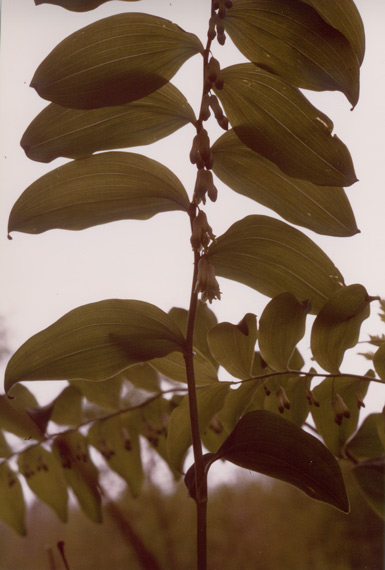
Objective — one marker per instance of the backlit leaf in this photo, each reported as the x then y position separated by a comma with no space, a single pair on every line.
272,257
367,442
67,408
12,506
96,190
75,133
118,441
281,327
336,434
233,345
236,403
80,473
77,5
294,388
95,342
210,401
275,120
337,326
379,361
143,376
44,477
17,421
370,476
344,16
113,61
5,450
323,209
266,443
293,41
173,366
105,393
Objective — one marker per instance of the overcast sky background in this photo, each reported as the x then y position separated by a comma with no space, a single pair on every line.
47,275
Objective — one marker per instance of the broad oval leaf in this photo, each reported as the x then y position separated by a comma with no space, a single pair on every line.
117,440
264,442
12,505
272,257
17,421
80,473
105,393
96,190
337,326
293,41
281,327
322,209
210,401
77,5
345,17
173,366
114,61
44,477
76,133
67,407
329,411
370,476
275,120
369,441
95,342
379,361
233,345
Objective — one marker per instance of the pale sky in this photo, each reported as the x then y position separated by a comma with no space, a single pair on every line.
47,275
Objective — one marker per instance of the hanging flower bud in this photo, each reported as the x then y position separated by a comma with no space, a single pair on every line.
195,155
216,4
216,425
228,4
282,400
213,72
311,399
205,107
360,400
221,37
127,441
202,233
105,448
267,390
211,33
340,409
206,281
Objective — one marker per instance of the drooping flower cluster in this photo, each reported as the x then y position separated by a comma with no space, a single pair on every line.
206,281
202,233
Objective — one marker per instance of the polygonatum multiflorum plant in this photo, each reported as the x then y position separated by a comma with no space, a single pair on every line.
137,373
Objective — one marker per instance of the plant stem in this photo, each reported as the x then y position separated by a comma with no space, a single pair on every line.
200,476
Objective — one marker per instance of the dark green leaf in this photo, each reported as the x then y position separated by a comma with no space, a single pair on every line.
210,401
95,342
105,393
173,366
12,505
75,133
369,441
275,120
45,478
118,441
143,376
233,345
17,421
67,407
266,443
5,450
77,5
370,476
337,326
344,16
273,258
293,41
71,449
114,61
323,209
329,411
281,327
97,190
379,361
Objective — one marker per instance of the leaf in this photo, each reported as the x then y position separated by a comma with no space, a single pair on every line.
114,61
367,442
275,120
80,473
12,505
205,319
233,345
337,326
379,361
370,476
322,209
118,441
105,393
236,403
75,133
173,366
325,418
5,450
344,16
266,443
97,190
143,376
95,342
77,5
17,421
294,387
45,478
272,257
67,409
292,40
281,327
210,401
